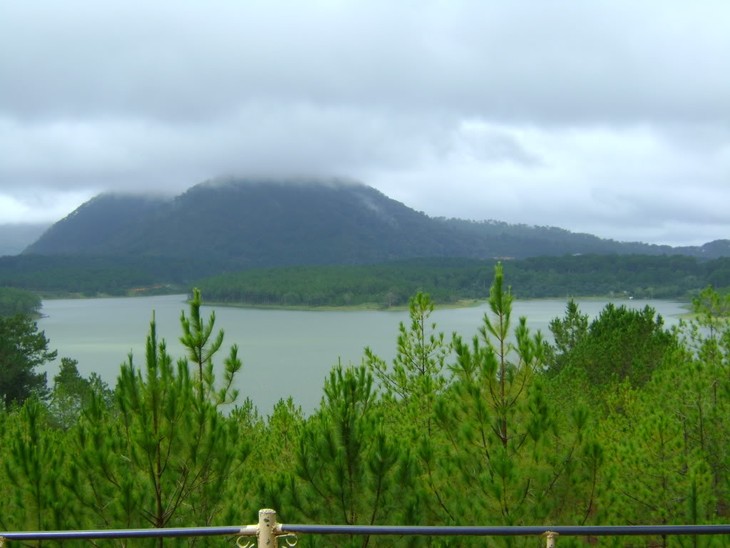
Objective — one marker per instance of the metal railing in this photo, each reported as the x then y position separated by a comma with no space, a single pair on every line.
268,531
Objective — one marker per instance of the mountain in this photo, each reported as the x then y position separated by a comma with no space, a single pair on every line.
14,238
242,224
234,224
105,225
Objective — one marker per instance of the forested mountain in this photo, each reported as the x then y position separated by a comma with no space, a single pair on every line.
521,240
122,244
105,225
240,224
15,237
237,224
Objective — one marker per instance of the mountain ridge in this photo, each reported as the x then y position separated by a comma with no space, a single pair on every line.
242,223
15,237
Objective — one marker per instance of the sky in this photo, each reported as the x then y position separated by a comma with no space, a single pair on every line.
609,117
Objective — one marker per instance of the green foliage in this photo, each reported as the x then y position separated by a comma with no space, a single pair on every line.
568,332
201,348
669,460
22,350
417,370
449,280
270,468
349,285
488,358
658,470
658,478
621,344
713,310
718,273
304,221
117,244
18,301
164,457
511,450
412,386
446,279
72,393
495,430
93,276
701,388
640,276
34,461
349,469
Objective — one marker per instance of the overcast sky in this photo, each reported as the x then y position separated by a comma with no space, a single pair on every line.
606,117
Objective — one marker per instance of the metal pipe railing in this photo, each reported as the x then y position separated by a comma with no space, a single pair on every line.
502,531
268,530
166,532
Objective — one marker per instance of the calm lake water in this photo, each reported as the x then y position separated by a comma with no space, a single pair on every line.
285,353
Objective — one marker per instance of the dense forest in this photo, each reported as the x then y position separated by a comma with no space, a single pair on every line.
616,420
447,280
94,276
18,301
452,280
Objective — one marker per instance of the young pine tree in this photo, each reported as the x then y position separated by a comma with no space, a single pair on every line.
511,456
34,458
349,470
163,457
411,386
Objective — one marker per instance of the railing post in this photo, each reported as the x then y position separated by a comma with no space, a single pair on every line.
551,538
267,528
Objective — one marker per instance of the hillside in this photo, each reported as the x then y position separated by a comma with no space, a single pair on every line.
240,224
235,224
15,237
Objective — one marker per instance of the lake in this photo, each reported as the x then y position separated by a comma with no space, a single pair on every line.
284,352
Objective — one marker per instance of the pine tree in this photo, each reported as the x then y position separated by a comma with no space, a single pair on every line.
349,470
509,450
35,457
621,344
275,442
568,332
411,386
72,393
22,350
699,392
165,453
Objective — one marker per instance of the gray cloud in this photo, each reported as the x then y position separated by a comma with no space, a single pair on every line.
606,117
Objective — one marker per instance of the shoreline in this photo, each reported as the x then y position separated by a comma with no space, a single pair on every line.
374,307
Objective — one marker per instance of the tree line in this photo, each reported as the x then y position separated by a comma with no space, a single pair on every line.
18,301
452,280
446,280
614,420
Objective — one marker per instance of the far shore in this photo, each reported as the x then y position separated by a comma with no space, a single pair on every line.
372,306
